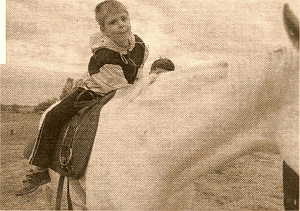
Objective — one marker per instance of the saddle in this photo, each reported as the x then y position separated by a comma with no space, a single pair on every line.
75,142
76,139
74,145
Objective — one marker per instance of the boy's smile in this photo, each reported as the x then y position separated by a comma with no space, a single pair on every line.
118,28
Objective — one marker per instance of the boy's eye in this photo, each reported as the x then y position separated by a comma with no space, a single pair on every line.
124,18
112,22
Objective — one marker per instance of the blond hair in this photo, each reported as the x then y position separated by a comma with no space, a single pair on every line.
108,6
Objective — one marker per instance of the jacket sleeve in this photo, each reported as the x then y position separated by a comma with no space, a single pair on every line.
110,76
141,68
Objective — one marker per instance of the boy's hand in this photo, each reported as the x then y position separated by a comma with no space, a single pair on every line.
79,83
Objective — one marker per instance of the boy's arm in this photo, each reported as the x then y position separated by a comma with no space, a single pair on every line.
110,76
140,70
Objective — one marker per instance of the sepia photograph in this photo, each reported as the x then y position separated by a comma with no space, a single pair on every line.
150,105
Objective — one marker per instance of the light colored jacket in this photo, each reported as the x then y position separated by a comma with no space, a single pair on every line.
112,67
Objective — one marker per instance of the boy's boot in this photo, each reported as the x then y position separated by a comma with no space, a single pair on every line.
34,179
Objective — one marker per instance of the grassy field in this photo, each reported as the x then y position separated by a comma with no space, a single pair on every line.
252,182
13,165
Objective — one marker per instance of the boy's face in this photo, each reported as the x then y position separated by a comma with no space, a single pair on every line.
117,27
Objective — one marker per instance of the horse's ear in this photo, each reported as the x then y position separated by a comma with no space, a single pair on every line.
291,25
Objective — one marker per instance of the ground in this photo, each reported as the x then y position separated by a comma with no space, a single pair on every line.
252,182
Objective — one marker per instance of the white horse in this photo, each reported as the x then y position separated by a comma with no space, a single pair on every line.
154,140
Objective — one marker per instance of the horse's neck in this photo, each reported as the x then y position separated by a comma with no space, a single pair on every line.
287,126
285,121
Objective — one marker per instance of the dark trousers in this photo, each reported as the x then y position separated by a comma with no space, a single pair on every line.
52,125
290,188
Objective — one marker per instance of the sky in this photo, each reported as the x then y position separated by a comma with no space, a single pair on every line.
48,41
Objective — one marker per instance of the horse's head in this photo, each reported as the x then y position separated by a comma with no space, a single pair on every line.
291,24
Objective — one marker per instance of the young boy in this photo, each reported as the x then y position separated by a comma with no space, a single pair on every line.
117,62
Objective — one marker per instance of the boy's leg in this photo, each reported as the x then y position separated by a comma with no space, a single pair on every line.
45,144
54,120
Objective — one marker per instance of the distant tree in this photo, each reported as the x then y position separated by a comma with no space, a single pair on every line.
3,107
68,88
44,105
15,108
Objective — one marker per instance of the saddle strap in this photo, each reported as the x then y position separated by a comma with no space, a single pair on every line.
60,191
70,206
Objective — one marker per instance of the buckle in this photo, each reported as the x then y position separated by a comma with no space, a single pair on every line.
65,155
